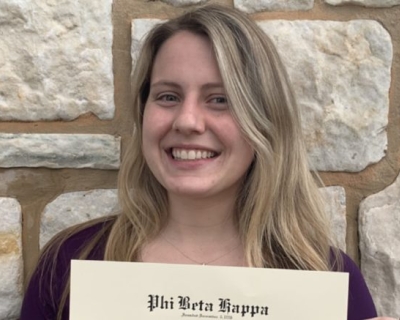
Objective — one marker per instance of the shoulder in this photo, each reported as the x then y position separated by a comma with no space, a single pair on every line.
72,242
86,241
47,284
360,303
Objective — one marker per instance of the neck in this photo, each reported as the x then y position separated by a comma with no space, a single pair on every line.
201,220
198,231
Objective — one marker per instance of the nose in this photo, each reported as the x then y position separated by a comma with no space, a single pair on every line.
190,118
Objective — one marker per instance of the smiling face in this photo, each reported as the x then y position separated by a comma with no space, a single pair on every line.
191,142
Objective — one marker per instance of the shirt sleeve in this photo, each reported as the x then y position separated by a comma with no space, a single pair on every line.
43,291
46,287
360,303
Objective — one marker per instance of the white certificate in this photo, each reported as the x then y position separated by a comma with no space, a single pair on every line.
104,290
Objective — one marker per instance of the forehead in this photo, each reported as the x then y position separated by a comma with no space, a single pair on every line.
185,40
186,52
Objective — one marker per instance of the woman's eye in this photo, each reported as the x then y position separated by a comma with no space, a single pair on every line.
220,100
168,98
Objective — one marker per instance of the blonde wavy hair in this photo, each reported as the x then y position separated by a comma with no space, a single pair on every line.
279,210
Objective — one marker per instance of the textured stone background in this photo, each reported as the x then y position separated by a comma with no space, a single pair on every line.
55,60
65,116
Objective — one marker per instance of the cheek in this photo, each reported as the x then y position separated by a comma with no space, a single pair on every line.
150,126
247,156
248,151
147,134
243,150
156,121
234,136
155,128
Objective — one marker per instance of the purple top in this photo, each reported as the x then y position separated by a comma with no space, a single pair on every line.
39,303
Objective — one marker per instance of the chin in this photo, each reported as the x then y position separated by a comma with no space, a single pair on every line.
190,191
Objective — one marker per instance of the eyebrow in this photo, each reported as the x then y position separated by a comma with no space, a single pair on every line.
211,85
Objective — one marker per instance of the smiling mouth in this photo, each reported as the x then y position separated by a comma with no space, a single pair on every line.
191,154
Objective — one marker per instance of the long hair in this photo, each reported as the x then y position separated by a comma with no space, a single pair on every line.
279,210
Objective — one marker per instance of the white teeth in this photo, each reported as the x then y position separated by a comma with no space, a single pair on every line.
183,154
191,155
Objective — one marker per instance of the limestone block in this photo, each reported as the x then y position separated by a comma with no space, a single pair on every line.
341,76
251,6
139,30
100,151
335,207
73,208
365,3
10,259
379,229
55,59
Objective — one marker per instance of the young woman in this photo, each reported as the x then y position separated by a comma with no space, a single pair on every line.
216,170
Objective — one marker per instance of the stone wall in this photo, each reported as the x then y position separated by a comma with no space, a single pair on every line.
65,116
